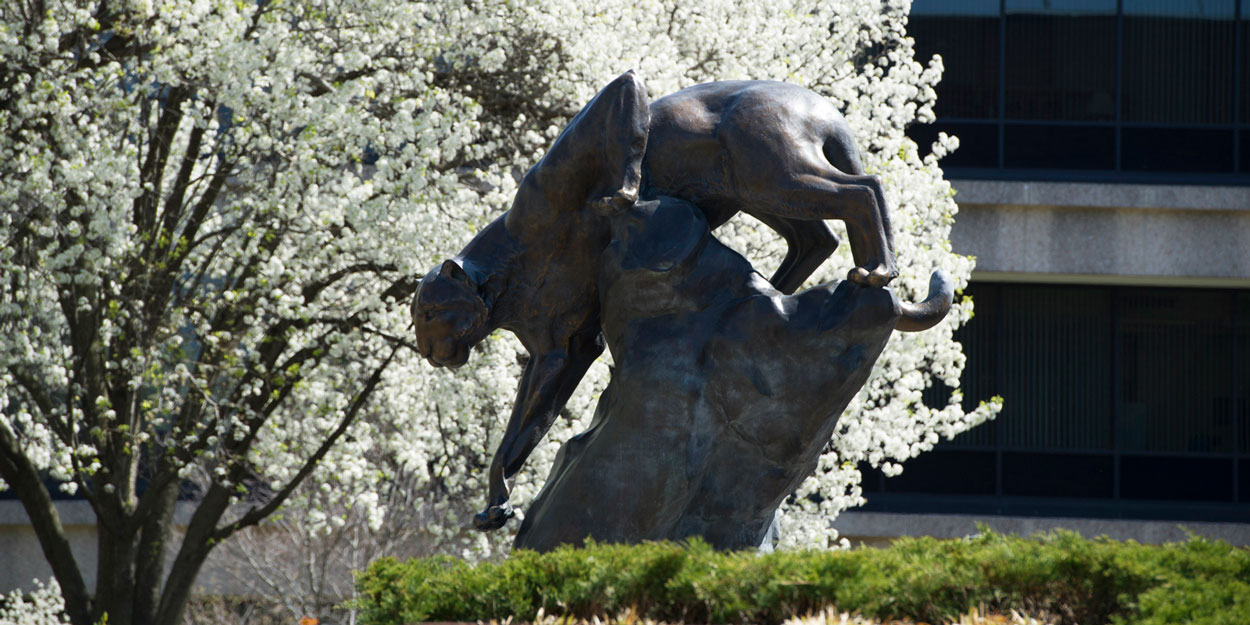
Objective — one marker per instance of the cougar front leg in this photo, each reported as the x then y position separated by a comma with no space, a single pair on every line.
498,509
546,385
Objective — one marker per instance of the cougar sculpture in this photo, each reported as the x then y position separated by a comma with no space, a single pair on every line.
776,151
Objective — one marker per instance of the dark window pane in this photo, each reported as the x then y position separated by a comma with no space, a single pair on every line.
1241,321
1062,7
1175,371
978,8
1058,475
1243,481
1244,87
1178,479
1178,61
1060,62
978,143
1058,147
980,342
937,394
1182,382
980,437
946,473
1244,148
965,34
1056,368
1177,149
871,479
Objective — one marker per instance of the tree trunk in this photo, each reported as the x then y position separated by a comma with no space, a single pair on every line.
115,586
150,558
196,545
22,477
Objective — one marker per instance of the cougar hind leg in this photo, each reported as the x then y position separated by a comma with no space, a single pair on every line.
789,172
825,193
809,243
843,154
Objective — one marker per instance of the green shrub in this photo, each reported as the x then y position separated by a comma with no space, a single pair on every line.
1078,580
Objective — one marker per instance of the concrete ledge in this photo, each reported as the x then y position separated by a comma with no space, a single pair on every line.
880,527
1174,245
72,512
22,559
1096,195
1111,279
76,512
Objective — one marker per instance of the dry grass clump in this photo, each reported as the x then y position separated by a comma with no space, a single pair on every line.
828,617
973,617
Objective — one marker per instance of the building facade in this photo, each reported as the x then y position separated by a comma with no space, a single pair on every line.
1103,181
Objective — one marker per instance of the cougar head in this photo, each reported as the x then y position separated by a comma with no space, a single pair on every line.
449,315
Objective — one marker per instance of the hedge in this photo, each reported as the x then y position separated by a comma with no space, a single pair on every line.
1059,574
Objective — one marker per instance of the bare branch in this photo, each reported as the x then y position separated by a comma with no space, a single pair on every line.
256,514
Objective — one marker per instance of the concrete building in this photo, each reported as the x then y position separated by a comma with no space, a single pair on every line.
1104,187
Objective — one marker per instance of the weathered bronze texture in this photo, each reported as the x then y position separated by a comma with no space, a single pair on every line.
776,151
724,390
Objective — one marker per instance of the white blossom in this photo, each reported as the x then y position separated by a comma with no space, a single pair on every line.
41,606
339,148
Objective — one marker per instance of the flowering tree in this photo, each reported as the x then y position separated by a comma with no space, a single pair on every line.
215,213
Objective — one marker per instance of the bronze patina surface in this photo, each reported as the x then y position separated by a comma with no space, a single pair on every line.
776,151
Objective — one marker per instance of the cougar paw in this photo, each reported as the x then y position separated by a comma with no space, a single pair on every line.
881,276
493,517
878,277
618,203
858,275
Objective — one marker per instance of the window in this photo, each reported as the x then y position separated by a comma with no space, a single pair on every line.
1060,59
1120,401
1112,90
966,35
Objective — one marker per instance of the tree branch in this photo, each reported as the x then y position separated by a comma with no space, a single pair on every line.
201,533
254,515
196,545
21,475
313,289
182,181
153,168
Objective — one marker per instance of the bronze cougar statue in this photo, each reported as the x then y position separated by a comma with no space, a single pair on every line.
776,151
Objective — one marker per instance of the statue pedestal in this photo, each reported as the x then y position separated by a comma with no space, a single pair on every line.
723,396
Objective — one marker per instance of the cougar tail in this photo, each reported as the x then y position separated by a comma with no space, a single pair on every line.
926,314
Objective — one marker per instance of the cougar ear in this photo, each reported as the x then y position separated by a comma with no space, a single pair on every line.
453,271
598,157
